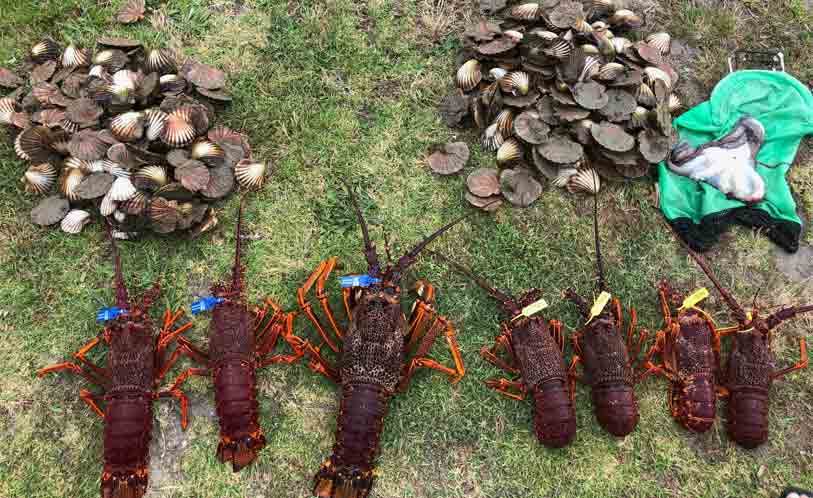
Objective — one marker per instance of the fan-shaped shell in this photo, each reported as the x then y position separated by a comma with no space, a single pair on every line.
50,210
516,82
610,71
519,187
83,112
95,185
155,121
208,152
194,176
220,184
645,96
111,59
661,41
446,160
39,178
625,18
492,138
674,103
136,204
9,79
153,177
204,76
530,127
585,180
621,44
160,61
45,50
526,11
75,57
612,137
86,144
490,203
469,75
505,122
122,189
179,131
130,12
43,72
484,182
559,49
544,35
128,126
653,75
34,143
509,151
171,84
75,221
639,117
51,118
69,182
562,177
582,26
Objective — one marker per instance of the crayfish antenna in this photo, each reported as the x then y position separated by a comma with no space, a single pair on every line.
506,300
784,314
739,312
369,247
238,270
409,258
122,299
602,284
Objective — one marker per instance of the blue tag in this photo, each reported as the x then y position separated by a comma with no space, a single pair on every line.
110,313
205,304
358,281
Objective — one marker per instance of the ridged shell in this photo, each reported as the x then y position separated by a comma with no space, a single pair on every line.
18,149
621,44
160,61
127,78
98,71
51,118
163,210
128,127
505,122
122,189
610,71
639,117
585,180
509,151
39,178
560,49
590,68
250,174
582,26
69,182
75,57
136,204
674,103
645,96
625,17
526,11
497,73
130,12
514,35
156,122
469,75
171,84
155,175
492,138
179,131
114,169
107,206
563,176
600,6
588,49
74,221
34,143
516,82
87,145
662,41
45,50
207,151
654,74
110,59
544,35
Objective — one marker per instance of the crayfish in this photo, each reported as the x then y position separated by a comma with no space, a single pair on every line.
534,348
374,352
689,347
135,366
606,357
240,342
750,369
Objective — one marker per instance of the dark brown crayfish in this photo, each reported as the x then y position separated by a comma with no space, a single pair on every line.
240,342
750,370
534,350
135,365
606,357
373,358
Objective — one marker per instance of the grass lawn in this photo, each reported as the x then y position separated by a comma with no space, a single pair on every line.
334,89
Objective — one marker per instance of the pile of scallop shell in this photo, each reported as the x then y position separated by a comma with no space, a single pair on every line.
562,87
125,132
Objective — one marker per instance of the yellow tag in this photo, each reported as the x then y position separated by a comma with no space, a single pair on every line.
749,316
599,305
531,309
695,297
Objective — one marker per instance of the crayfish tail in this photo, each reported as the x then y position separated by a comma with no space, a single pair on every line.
342,482
124,485
240,453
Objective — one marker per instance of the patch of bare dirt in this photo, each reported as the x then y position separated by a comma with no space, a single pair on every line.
797,266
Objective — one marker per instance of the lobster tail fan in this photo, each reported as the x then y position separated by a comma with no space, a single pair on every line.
602,284
330,483
492,291
238,270
240,453
369,248
122,299
124,484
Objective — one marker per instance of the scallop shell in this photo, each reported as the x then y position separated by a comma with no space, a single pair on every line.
18,149
128,127
154,177
194,176
562,177
160,61
585,180
34,143
674,103
45,93
8,108
45,50
51,118
9,79
69,182
589,50
610,71
107,206
208,152
75,221
653,75
111,59
136,204
497,73
516,82
156,122
179,131
83,112
132,11
514,35
505,122
445,160
645,96
95,185
582,26
163,211
469,75
122,189
526,11
75,57
50,210
171,84
484,182
509,151
625,18
43,72
544,35
662,41
560,49
39,178
639,117
621,44
590,67
204,76
87,145
492,138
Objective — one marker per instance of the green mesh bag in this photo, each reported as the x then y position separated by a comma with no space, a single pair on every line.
698,211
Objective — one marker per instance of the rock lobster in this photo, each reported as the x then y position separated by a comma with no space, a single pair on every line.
374,353
534,348
135,366
606,357
240,342
750,370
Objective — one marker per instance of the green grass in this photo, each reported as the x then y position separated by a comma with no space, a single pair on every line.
333,89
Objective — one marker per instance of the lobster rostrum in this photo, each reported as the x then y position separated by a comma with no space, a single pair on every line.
374,354
689,348
750,370
606,356
534,349
136,364
241,340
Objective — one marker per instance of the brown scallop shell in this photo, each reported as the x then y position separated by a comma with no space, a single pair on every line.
69,182
50,211
34,144
161,61
179,130
446,160
194,176
220,183
131,12
519,187
9,79
39,178
45,50
83,111
204,76
128,126
86,144
43,72
484,182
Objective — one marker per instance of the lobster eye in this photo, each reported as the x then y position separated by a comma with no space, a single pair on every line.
248,441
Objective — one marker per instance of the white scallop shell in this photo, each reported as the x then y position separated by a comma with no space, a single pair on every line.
205,149
662,41
98,71
492,138
639,117
545,35
250,174
674,103
510,150
156,121
563,176
585,180
497,73
19,149
621,44
96,166
526,11
119,216
155,174
505,122
469,75
69,182
7,110
39,178
126,78
108,205
515,35
75,221
645,96
179,131
74,56
128,126
122,189
653,74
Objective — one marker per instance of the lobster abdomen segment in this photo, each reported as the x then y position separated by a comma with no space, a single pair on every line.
554,415
127,432
241,437
695,403
348,473
615,407
748,416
